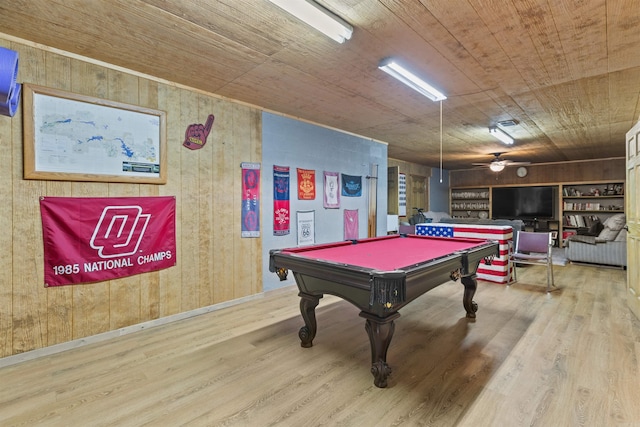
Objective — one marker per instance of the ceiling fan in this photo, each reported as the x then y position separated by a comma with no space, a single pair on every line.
498,163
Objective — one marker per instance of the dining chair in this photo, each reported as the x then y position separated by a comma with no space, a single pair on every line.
533,249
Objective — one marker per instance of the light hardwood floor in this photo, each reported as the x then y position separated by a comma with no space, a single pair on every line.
571,358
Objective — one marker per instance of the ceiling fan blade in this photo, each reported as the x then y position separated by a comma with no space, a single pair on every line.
497,160
510,163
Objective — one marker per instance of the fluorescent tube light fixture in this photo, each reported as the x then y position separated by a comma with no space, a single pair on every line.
318,17
392,68
501,135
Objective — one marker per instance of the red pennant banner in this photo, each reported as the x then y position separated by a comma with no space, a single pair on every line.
306,184
97,239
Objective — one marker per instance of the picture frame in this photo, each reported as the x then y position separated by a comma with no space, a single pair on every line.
306,227
73,137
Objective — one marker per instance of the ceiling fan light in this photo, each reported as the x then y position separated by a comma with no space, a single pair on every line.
501,135
318,17
391,67
496,166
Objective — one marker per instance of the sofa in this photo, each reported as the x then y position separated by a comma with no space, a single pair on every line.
409,227
608,247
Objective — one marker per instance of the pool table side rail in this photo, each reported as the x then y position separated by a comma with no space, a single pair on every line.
378,292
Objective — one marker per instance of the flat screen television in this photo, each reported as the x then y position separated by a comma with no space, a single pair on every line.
523,202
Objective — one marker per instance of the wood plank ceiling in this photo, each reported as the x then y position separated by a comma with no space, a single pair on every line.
568,71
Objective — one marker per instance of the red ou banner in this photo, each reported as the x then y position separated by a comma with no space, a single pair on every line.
98,239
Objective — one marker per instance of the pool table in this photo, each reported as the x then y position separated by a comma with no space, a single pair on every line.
380,275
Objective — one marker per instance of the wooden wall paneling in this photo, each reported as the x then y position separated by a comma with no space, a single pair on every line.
190,189
238,155
239,246
124,293
122,87
148,96
29,297
90,301
59,299
150,282
29,294
223,197
576,171
150,296
255,127
7,177
410,169
246,276
214,264
149,293
171,278
206,166
393,191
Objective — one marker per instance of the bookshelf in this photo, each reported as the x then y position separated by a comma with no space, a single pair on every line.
584,204
581,204
470,203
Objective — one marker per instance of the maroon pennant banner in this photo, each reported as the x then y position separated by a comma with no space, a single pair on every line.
281,213
97,239
250,200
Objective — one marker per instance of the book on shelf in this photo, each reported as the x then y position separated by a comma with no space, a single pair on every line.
580,220
589,206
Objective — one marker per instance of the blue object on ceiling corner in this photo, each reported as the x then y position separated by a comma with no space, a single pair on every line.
9,89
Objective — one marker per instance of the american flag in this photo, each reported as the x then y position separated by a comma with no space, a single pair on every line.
434,230
498,271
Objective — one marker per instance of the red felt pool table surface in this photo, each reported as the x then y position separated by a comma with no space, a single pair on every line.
388,252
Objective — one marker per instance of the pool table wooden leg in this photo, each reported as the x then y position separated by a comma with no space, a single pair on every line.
470,286
308,304
380,331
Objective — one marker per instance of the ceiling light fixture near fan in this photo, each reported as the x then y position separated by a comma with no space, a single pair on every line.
497,166
498,163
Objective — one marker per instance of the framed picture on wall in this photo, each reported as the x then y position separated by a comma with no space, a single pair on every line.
72,137
306,227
